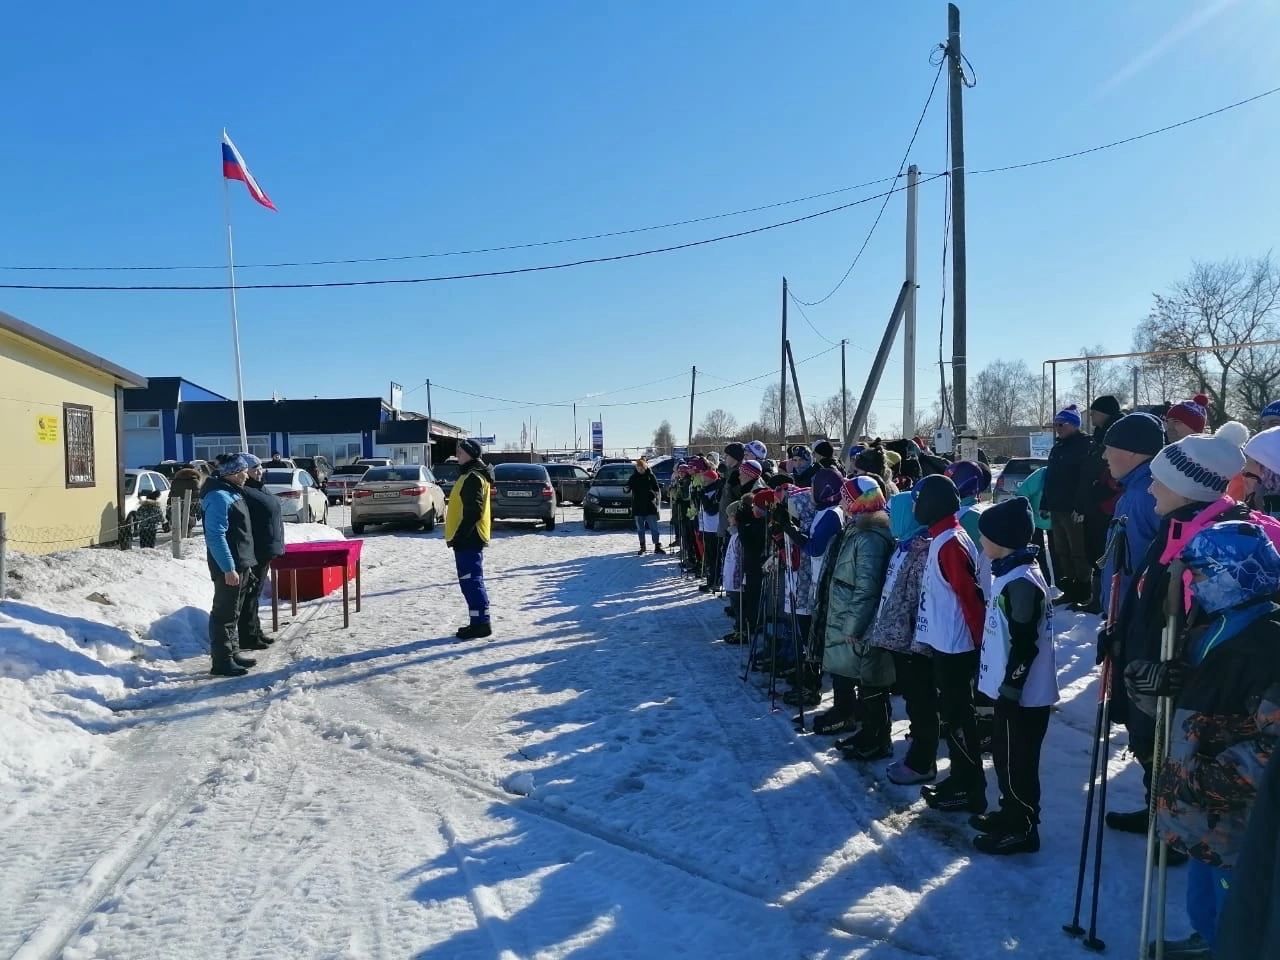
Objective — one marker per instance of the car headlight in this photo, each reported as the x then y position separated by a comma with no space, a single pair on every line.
592,498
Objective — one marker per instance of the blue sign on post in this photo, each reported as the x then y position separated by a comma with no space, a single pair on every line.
483,441
597,437
680,452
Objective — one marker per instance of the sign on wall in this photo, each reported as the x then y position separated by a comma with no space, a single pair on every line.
484,441
1041,444
47,429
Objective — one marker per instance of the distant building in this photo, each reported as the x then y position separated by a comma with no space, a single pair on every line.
151,419
62,434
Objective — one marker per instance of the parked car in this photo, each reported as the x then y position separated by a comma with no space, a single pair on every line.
523,491
140,483
571,482
664,469
375,462
397,495
607,499
300,499
169,468
1015,471
319,467
342,482
446,475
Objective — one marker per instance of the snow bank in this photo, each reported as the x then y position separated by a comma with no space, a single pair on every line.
78,632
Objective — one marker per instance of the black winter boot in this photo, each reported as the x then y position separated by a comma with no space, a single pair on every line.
951,797
1070,588
874,741
1134,822
475,631
1021,838
240,660
228,668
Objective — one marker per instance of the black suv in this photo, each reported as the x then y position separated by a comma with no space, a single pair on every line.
319,467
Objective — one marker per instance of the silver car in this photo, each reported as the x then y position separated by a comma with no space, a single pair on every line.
523,491
397,495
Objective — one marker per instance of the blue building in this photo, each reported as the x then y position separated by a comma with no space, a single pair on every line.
151,419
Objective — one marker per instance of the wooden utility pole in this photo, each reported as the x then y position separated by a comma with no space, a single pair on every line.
782,415
844,392
791,362
959,304
693,389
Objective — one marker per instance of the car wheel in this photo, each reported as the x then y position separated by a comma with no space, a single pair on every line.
429,521
357,528
550,523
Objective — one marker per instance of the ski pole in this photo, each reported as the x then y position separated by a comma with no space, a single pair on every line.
1073,929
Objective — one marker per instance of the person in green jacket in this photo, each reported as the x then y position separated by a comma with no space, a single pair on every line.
1033,489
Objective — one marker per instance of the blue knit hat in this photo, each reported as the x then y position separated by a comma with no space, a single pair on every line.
969,478
1272,409
1070,416
1237,563
235,463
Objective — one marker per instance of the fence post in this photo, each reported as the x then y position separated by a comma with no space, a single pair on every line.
175,527
4,572
186,513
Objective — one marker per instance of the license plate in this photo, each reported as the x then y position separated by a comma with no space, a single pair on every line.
621,510
388,495
519,493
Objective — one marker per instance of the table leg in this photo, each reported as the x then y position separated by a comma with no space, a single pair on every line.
294,597
275,600
346,601
358,591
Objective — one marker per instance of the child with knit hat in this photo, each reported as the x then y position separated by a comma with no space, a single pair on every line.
1018,672
1261,472
1188,484
849,591
1269,416
1187,417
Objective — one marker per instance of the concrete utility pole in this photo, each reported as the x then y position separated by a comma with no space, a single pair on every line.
844,392
693,389
429,421
959,304
791,361
909,321
782,417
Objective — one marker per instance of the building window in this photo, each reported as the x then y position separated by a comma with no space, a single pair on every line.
77,444
208,448
142,421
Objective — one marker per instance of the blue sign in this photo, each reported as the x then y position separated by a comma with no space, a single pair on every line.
483,441
597,436
679,452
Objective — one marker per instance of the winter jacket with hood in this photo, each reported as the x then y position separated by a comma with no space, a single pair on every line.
228,530
267,520
645,493
852,582
729,496
1249,925
1226,727
894,626
467,518
1135,512
1065,482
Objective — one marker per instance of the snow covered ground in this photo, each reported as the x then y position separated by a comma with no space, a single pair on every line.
595,781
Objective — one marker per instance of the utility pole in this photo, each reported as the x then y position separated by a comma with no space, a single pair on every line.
576,445
909,321
959,303
428,424
844,392
804,426
1134,402
782,415
693,389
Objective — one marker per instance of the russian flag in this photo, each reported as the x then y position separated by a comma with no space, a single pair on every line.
234,168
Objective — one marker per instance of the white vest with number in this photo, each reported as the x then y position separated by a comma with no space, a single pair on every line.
1041,686
940,623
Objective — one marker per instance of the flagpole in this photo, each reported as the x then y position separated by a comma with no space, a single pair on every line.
235,316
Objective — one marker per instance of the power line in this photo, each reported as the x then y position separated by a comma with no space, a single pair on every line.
799,308
330,284
876,222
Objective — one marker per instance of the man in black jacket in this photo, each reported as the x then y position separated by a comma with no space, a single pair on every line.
1098,495
1062,501
645,493
268,543
466,530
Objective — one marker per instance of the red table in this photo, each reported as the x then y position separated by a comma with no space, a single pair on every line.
319,555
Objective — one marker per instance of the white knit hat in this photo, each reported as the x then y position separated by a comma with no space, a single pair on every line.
758,450
1200,466
1264,447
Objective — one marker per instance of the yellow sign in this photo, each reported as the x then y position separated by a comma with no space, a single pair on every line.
47,429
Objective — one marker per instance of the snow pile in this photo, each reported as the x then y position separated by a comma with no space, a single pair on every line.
82,629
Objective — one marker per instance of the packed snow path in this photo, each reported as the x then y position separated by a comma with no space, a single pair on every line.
595,781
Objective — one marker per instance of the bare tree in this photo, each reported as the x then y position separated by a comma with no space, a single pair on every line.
826,419
1160,379
1100,378
1005,394
771,410
718,424
1231,302
664,438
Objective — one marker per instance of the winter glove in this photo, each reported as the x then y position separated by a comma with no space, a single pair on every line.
1108,645
1163,679
1077,518
1015,675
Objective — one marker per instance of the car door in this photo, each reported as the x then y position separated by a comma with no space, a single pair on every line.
162,484
434,493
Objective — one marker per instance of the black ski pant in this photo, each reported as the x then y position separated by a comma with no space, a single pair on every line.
250,623
1015,752
916,684
752,583
711,559
224,617
954,675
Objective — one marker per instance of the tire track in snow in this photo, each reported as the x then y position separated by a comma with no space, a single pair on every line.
485,904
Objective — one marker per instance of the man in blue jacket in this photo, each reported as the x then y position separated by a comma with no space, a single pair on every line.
228,535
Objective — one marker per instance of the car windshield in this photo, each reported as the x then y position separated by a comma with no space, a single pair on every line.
351,471
1024,466
391,474
130,483
614,473
528,472
447,471
278,477
562,471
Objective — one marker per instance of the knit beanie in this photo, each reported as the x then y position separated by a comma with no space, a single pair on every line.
757,451
768,467
1193,413
853,451
698,464
823,450
749,470
1237,564
765,500
1137,433
1070,416
1008,523
861,495
713,459
892,459
870,460
779,480
799,452
736,450
968,477
233,463
826,487
1106,404
935,498
471,448
1272,409
1264,447
1200,466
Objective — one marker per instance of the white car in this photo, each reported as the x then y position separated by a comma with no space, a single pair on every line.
300,499
140,482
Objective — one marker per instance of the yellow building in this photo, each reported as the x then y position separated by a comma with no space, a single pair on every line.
61,481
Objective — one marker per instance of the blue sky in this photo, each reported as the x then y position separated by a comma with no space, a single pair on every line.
432,127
